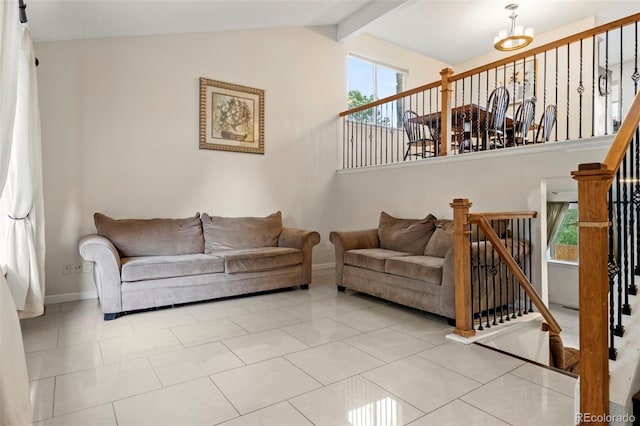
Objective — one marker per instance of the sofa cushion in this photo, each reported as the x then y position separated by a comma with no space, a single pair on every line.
439,243
155,267
230,233
259,259
152,237
405,235
373,259
423,268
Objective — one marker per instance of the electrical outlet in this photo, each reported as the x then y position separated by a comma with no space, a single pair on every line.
66,269
77,269
87,266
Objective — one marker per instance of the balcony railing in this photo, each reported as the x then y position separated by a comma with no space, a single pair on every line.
581,86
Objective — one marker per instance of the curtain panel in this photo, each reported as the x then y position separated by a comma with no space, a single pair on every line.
15,404
22,199
555,213
9,47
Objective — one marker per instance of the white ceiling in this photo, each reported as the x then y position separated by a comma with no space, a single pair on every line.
451,31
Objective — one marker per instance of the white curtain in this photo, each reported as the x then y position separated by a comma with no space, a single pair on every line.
9,45
22,198
15,405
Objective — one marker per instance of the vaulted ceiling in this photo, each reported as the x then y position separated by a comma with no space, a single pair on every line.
451,31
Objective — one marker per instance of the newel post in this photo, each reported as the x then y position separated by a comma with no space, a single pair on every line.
445,119
462,262
594,181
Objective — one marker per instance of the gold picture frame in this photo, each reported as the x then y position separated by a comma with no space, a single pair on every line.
231,117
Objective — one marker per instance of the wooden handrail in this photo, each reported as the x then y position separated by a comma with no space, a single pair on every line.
505,215
392,98
623,138
505,61
549,46
517,273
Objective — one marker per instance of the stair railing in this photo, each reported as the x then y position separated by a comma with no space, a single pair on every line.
596,265
492,272
572,81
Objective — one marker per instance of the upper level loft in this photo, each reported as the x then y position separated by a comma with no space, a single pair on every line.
577,87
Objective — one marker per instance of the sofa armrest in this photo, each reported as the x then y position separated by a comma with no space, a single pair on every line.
303,240
349,240
106,270
448,290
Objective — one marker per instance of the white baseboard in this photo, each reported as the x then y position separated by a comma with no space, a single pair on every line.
69,297
323,266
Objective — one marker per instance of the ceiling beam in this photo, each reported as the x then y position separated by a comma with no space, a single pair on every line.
355,23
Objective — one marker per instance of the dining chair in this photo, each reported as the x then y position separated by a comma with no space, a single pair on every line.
466,143
547,121
422,138
496,113
525,115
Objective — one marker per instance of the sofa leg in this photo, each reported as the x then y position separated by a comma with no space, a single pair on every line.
341,288
109,317
304,286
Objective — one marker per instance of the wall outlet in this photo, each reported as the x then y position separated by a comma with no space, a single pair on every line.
77,269
87,266
66,269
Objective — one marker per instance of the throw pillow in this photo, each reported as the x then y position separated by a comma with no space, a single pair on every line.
406,235
226,233
152,237
440,243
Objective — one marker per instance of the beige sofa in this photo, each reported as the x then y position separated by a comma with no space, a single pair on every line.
411,262
145,263
407,261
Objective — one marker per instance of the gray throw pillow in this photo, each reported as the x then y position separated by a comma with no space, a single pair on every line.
440,243
227,233
152,237
406,235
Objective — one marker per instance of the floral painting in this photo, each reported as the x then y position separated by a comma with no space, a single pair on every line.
231,117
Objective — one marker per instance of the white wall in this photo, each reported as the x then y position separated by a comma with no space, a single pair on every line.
120,131
563,283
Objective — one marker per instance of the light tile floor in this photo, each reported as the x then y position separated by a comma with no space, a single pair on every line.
297,357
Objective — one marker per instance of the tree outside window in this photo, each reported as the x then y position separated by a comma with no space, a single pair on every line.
368,81
564,245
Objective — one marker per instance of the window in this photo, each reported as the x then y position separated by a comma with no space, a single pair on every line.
368,81
564,244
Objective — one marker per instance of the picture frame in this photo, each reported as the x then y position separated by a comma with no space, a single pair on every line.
231,117
520,79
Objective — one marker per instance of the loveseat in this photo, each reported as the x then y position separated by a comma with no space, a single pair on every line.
145,263
407,261
411,262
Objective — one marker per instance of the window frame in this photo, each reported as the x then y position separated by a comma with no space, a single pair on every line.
573,205
376,64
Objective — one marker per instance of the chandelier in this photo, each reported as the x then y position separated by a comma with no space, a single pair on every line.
516,38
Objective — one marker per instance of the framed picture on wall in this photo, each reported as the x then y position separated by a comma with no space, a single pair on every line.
231,117
520,79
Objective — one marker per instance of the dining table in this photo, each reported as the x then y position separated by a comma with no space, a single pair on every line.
467,122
